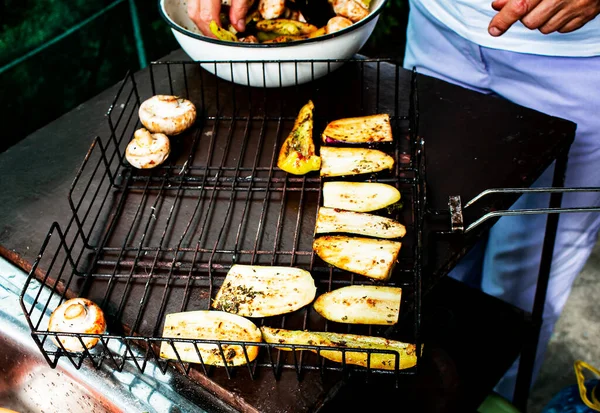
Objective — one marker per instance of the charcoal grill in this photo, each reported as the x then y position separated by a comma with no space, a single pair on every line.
145,243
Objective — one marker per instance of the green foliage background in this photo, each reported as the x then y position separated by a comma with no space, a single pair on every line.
81,65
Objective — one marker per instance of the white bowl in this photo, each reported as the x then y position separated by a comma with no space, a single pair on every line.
272,71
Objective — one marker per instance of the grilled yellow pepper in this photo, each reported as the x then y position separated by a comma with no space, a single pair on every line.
297,155
221,33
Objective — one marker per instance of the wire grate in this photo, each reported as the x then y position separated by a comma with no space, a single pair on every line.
146,243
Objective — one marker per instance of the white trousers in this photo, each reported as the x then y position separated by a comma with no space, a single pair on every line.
564,87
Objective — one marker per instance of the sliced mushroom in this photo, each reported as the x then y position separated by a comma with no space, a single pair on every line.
337,23
77,315
350,9
271,9
166,114
147,150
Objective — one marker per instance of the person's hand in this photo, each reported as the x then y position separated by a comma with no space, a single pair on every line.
202,12
547,16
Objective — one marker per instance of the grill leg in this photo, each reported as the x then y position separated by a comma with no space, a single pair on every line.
526,363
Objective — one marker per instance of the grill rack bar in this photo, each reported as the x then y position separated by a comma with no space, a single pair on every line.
85,245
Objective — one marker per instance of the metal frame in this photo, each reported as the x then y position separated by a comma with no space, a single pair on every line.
88,258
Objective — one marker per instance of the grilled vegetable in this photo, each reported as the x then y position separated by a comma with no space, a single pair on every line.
271,9
353,161
370,257
361,304
264,36
359,196
319,32
285,39
249,39
350,9
257,291
297,155
215,325
285,27
147,150
337,23
386,361
221,33
376,128
337,220
77,315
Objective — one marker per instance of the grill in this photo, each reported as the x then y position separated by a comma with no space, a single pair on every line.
146,243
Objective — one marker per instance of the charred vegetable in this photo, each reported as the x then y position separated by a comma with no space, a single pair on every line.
336,220
359,196
353,161
376,128
320,32
297,155
370,257
361,304
221,33
351,9
407,353
285,27
214,325
337,23
257,291
271,9
285,39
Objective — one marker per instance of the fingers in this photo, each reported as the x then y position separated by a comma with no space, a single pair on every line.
543,13
237,14
556,22
498,4
573,25
513,11
202,12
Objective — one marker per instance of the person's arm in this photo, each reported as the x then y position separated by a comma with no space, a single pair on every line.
547,16
202,12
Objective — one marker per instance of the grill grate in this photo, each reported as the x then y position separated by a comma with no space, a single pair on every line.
145,243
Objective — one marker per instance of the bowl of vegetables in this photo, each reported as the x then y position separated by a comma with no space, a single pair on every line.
281,47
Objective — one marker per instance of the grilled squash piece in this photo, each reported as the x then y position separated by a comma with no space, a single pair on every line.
297,154
370,257
353,161
365,129
361,304
260,291
359,196
221,33
285,27
386,361
337,220
216,325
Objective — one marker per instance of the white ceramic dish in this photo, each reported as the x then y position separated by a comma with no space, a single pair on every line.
271,69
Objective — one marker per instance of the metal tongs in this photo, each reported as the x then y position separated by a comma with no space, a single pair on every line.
456,208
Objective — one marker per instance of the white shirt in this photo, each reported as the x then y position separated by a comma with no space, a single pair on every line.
470,19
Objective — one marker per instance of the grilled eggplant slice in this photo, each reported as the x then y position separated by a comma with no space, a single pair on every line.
361,304
373,258
297,154
260,291
359,196
387,361
337,220
215,325
365,129
353,161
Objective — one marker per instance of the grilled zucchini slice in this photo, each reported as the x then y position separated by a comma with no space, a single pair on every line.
386,361
361,304
365,129
261,291
353,161
373,258
359,196
337,220
216,325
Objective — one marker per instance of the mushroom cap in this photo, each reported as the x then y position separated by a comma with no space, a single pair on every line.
167,114
147,150
77,315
